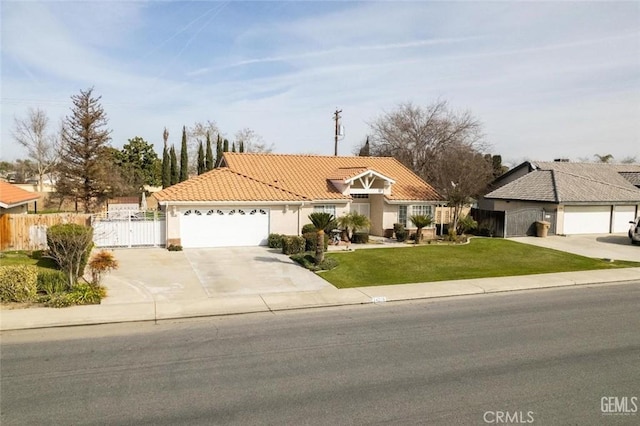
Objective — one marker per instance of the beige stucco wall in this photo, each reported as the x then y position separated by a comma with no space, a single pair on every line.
341,209
284,220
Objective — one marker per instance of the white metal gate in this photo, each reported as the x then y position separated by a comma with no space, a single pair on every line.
129,229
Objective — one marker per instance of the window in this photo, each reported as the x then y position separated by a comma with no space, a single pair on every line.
364,196
325,209
421,210
402,215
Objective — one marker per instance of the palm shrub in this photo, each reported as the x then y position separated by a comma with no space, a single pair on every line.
100,263
420,221
466,223
353,222
321,221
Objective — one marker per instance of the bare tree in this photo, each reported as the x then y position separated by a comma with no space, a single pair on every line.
32,133
604,158
440,145
197,134
251,141
629,160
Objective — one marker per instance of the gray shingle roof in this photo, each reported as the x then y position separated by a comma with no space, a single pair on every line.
572,183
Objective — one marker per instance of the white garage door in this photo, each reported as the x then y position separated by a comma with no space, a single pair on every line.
224,227
622,215
587,219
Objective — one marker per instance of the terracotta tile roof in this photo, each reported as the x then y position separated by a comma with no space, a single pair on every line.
310,175
561,182
223,184
11,195
344,173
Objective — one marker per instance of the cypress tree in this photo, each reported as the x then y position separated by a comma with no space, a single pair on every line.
209,156
184,157
175,178
233,147
166,161
241,149
218,151
201,168
225,145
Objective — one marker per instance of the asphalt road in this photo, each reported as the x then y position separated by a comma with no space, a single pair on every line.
536,357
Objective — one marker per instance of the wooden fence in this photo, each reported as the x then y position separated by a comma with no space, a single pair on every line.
29,231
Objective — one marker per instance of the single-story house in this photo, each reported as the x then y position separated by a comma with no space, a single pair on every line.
254,194
15,200
576,198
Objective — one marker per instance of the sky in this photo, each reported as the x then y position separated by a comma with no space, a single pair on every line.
546,79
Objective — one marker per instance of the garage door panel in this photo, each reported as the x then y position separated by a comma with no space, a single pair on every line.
622,215
587,219
224,228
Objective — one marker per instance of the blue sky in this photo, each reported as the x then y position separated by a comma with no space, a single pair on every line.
547,80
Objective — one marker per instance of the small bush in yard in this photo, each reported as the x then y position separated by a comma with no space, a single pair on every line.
308,228
174,247
292,244
401,235
70,245
308,261
52,282
275,240
87,294
100,263
311,239
18,283
360,238
60,300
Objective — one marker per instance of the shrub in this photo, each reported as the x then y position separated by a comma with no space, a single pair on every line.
308,261
70,245
86,294
452,235
174,247
466,223
101,262
275,240
398,227
308,228
310,241
401,235
360,238
60,300
52,282
18,283
292,244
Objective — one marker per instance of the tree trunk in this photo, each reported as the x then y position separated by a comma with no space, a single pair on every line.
319,247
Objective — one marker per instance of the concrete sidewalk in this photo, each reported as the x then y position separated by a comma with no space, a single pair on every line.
150,308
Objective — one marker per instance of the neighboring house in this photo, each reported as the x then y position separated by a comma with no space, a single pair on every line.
15,200
122,207
576,198
253,195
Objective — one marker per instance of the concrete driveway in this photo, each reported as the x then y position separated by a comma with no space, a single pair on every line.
157,274
604,246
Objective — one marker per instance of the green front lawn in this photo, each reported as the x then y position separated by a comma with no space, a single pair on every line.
24,258
481,258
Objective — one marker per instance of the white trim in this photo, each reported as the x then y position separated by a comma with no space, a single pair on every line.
21,203
368,174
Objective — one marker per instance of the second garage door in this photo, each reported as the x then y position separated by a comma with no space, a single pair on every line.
224,227
587,219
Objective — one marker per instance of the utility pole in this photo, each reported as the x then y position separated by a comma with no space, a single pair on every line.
337,120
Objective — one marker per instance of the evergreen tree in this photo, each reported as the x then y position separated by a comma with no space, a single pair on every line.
225,145
84,169
184,157
233,147
201,167
175,174
218,151
209,157
241,147
166,161
365,150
